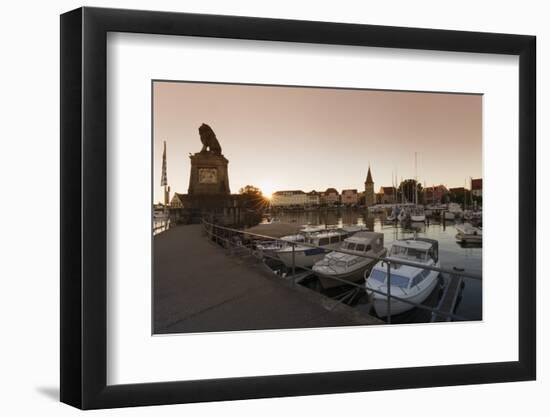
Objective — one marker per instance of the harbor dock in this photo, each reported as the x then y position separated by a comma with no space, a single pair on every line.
200,287
448,301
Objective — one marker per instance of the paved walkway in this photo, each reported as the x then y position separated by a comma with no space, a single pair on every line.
200,288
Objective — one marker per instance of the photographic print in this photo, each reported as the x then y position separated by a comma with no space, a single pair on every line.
288,207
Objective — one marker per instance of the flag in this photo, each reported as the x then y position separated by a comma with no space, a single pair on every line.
164,178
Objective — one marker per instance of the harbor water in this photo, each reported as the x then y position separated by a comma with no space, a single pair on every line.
451,254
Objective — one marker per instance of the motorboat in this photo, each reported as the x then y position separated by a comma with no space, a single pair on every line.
412,283
317,245
337,268
354,228
268,248
453,211
467,233
448,215
309,228
417,214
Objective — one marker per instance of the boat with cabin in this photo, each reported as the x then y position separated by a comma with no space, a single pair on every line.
268,248
305,255
339,268
412,283
467,233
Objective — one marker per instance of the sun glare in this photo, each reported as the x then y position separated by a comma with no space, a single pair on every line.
267,187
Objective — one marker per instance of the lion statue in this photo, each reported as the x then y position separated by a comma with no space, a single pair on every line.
209,140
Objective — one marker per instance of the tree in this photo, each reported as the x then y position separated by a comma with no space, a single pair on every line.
250,190
406,189
253,197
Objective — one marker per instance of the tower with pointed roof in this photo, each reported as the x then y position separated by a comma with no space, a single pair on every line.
369,190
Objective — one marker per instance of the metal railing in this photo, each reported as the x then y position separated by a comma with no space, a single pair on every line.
160,225
224,235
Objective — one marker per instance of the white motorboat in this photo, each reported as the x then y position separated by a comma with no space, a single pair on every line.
468,233
354,228
453,211
310,228
268,248
338,268
449,215
305,256
418,215
411,283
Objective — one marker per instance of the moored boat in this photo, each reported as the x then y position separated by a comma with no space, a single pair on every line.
418,215
410,283
467,233
305,256
338,268
268,248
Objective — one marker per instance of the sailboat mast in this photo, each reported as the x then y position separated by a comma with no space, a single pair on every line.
415,181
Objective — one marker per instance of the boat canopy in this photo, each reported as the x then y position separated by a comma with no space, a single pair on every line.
434,244
421,243
374,239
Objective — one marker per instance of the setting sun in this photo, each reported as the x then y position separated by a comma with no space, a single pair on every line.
267,187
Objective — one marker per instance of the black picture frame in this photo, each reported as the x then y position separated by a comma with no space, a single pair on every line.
84,207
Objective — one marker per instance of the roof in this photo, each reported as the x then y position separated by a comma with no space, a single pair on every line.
179,196
331,190
288,192
354,191
361,236
419,243
387,190
369,178
457,190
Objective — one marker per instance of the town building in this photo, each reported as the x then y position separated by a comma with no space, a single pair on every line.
435,194
330,197
458,190
289,198
313,198
386,195
370,199
177,200
477,187
349,197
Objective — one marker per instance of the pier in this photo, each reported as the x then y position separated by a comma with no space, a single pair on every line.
447,304
200,287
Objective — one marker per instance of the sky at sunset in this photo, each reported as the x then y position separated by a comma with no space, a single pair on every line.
287,138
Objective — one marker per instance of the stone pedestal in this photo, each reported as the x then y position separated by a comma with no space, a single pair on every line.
208,174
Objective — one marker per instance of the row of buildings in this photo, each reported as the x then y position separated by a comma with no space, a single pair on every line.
386,195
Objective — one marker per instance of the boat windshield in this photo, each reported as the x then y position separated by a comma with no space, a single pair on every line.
395,281
409,253
348,246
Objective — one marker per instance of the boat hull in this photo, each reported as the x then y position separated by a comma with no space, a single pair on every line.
419,218
327,281
467,238
303,258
